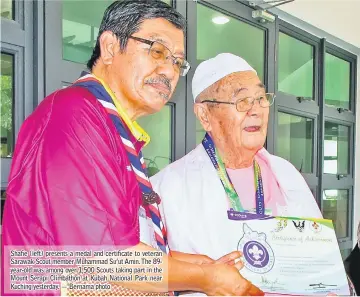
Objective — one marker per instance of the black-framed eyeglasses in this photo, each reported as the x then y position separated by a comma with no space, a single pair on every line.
245,104
160,52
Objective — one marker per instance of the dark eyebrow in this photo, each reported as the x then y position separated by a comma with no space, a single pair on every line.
160,40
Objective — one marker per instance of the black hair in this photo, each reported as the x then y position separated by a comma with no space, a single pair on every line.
124,18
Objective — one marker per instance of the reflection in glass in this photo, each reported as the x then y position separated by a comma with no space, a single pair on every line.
337,82
7,102
218,33
80,27
80,23
295,140
336,149
157,153
336,208
296,67
7,9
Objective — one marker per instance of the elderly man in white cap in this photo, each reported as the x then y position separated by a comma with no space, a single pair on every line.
230,169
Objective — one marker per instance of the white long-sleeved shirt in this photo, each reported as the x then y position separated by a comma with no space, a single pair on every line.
194,203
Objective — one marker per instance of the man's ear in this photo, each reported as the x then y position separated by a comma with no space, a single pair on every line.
108,47
203,115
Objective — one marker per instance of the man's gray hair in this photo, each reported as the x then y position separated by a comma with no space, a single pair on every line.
124,18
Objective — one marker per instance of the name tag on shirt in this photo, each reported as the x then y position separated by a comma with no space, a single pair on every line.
147,233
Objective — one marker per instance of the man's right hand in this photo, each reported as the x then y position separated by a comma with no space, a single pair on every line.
225,280
232,258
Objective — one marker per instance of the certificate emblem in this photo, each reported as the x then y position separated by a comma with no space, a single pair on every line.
258,255
280,225
315,227
299,225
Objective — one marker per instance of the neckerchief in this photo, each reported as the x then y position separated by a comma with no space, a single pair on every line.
150,199
233,196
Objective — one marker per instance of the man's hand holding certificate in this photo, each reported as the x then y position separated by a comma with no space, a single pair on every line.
290,256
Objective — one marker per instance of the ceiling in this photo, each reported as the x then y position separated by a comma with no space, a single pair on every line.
339,18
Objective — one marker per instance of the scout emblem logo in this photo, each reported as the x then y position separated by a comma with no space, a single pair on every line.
315,227
258,255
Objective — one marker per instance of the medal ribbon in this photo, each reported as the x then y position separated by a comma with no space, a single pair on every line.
234,199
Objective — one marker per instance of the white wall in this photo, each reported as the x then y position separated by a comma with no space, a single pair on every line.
337,17
337,21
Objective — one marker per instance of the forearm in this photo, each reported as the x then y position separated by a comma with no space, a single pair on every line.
177,275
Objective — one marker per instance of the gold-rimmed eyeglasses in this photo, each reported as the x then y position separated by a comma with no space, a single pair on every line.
161,53
245,104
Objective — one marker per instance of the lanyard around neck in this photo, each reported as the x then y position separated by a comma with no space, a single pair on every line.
219,165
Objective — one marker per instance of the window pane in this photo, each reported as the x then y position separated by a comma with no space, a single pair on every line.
218,33
157,153
296,67
7,9
80,24
230,36
337,82
7,101
336,208
295,140
336,149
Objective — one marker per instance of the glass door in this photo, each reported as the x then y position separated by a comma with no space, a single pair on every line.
297,102
71,32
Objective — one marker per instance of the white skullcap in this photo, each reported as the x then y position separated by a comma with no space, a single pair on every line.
214,69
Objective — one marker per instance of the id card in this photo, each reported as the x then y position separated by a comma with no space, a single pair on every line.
147,233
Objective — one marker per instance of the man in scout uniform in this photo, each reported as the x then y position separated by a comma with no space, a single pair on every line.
78,177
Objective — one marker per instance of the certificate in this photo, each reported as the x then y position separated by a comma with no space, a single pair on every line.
291,256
